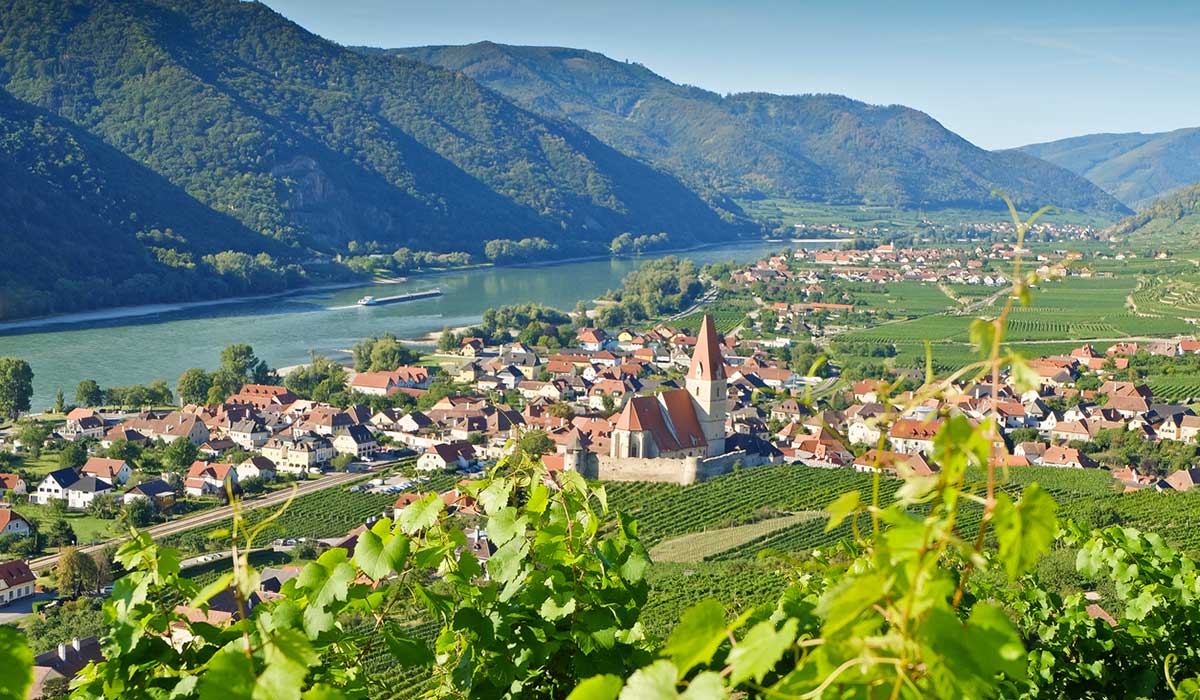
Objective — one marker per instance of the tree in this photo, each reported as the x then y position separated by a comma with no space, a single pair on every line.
240,362
59,402
105,506
59,534
535,443
88,393
16,387
73,455
179,454
341,461
139,513
32,435
193,386
75,573
561,409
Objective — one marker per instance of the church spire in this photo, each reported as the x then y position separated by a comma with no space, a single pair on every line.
707,362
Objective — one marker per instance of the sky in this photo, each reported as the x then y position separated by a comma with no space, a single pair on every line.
999,74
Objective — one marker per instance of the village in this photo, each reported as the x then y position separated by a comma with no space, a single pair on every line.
669,403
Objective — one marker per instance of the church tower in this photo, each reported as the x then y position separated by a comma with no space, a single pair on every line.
706,385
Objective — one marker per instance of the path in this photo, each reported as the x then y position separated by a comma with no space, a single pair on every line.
705,298
215,515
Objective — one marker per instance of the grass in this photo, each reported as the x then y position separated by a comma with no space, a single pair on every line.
863,216
699,546
87,528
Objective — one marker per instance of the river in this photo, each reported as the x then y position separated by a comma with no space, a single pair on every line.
284,330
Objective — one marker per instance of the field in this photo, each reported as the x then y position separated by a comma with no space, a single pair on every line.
864,216
724,317
87,528
902,298
699,546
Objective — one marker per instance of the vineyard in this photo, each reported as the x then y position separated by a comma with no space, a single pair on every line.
327,513
725,319
1174,388
762,495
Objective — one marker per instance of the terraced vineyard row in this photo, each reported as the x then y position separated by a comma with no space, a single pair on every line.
666,510
1173,388
328,513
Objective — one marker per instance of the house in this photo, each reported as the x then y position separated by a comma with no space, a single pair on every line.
385,383
12,523
81,493
356,440
1184,479
86,426
256,467
911,436
12,482
169,428
210,478
160,494
63,663
261,396
16,581
54,486
592,339
248,433
893,463
446,455
114,471
1059,456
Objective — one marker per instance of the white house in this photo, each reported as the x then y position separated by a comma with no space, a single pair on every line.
16,581
249,434
355,440
209,478
11,523
446,455
81,493
54,486
256,468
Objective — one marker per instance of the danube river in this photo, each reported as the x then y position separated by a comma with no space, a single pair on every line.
283,330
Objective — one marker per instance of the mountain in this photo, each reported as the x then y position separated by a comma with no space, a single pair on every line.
84,225
1172,219
811,147
1136,168
307,146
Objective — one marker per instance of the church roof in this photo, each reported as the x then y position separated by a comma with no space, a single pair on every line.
707,361
670,418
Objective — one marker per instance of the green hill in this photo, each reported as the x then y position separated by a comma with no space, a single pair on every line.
809,147
1136,168
1173,220
309,146
83,226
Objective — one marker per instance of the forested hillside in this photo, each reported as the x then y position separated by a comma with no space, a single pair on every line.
82,225
303,145
1174,218
1136,168
811,147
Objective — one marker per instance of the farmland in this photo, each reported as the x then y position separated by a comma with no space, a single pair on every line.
1174,388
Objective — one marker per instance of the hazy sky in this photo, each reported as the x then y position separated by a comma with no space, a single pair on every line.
999,74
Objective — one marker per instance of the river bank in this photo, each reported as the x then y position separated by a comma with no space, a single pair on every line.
118,348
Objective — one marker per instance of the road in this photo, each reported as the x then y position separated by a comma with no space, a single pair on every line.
215,515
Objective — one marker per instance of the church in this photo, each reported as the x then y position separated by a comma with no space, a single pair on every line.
676,436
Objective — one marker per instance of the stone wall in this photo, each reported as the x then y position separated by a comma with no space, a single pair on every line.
685,470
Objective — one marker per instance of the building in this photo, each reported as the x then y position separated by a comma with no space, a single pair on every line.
210,478
81,493
160,494
256,468
12,523
63,663
13,482
248,433
910,436
357,441
16,581
114,471
54,486
446,455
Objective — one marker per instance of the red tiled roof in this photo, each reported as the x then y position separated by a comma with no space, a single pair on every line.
15,573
